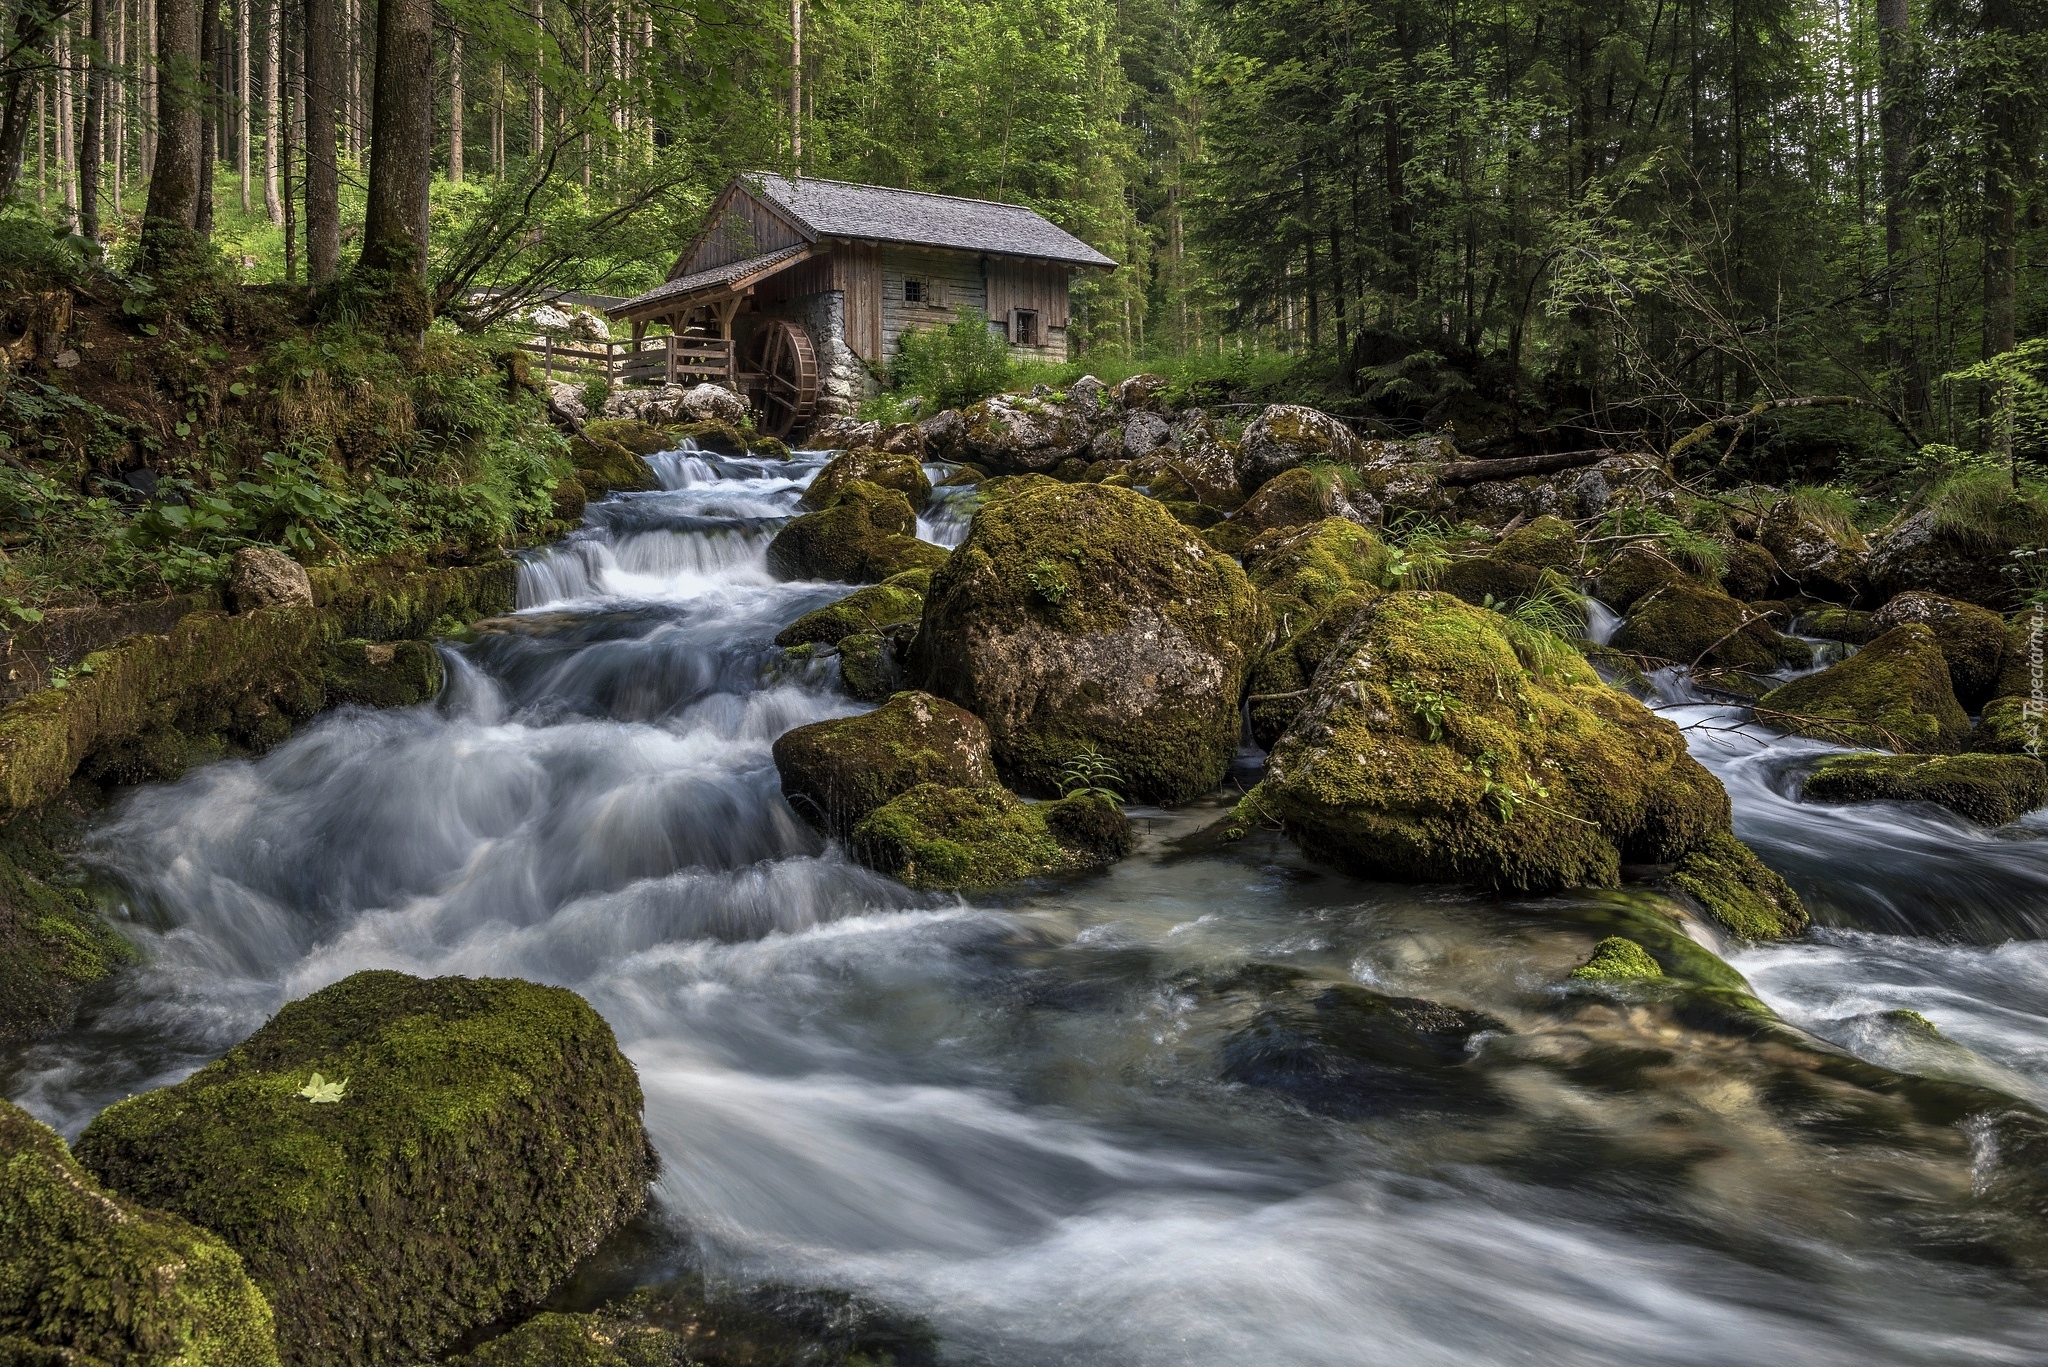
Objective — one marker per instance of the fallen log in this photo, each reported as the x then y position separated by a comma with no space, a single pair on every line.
1514,467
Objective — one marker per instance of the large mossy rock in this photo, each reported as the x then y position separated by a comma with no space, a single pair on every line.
940,837
1690,625
1894,693
1827,555
1431,751
1306,494
835,772
1972,640
883,469
88,1277
1285,435
899,598
863,536
1314,580
1080,618
1991,789
488,1138
604,463
1013,435
1633,573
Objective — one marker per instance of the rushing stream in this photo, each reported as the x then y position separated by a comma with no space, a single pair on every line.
1008,1114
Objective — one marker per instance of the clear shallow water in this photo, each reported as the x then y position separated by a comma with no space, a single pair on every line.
1013,1115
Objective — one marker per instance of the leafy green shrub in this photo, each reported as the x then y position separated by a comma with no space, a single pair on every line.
952,366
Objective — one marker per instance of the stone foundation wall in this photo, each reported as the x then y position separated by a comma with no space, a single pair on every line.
844,380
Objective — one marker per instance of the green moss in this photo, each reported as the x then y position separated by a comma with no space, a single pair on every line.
883,469
1913,1021
603,464
1303,495
865,535
488,1139
1488,580
1617,959
1688,625
2024,634
867,668
938,837
398,674
640,438
1751,572
1634,571
1143,660
720,438
1547,543
86,1276
1092,823
1893,694
865,610
1724,876
1318,565
1837,624
1992,789
2007,728
1191,514
558,1340
1972,640
1430,753
835,772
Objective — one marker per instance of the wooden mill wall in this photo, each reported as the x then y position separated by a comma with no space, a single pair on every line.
742,227
954,278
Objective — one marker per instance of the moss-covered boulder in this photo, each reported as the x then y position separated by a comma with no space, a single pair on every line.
835,772
1285,435
88,1277
486,1139
1991,789
868,666
721,439
1080,618
1688,625
883,469
1314,580
2023,664
2010,726
934,836
1837,624
1488,580
1817,546
865,535
1202,470
1011,434
641,438
383,674
1972,639
603,465
1894,694
1432,749
1930,552
899,598
1633,573
1308,494
1618,959
1544,543
1739,890
1752,572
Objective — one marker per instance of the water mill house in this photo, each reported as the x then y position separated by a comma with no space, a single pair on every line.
797,290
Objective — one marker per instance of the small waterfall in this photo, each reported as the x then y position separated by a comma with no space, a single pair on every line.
1601,622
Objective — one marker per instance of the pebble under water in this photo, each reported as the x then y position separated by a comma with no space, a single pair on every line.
1028,1118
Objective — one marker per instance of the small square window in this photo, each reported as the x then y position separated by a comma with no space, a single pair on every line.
1024,332
913,291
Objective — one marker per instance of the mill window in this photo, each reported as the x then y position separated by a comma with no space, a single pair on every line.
1024,331
913,292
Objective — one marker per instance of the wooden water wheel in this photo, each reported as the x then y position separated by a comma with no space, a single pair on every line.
779,372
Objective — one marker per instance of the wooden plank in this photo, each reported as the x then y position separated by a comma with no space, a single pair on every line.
955,276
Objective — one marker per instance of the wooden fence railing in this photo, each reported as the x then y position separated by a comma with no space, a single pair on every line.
655,360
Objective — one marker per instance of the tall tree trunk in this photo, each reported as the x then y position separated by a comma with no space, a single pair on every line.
455,102
117,107
1895,126
242,158
67,148
402,152
796,84
2005,160
293,93
152,82
272,88
93,135
498,121
33,25
323,175
540,99
209,113
169,220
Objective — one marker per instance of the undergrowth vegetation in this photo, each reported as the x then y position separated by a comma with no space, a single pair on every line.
196,415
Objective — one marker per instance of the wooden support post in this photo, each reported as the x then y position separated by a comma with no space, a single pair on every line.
671,358
548,361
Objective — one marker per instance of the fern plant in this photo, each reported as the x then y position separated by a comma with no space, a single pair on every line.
1090,773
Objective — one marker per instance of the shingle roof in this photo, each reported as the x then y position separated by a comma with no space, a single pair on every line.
835,208
712,278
